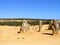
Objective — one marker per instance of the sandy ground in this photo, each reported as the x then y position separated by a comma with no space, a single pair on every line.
9,36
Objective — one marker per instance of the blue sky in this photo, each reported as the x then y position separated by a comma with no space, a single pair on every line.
41,9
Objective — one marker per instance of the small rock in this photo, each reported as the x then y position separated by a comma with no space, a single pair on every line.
18,38
22,37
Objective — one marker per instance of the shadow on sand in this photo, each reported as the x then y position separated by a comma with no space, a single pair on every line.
47,33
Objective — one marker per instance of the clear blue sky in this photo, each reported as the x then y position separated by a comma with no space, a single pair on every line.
42,9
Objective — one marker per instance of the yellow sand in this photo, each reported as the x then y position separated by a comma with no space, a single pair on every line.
9,35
